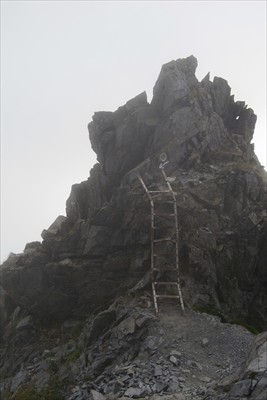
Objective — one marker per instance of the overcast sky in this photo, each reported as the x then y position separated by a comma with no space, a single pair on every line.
63,60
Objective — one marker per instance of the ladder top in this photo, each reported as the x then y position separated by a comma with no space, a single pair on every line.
167,239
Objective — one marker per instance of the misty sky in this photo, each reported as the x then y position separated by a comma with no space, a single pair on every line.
63,60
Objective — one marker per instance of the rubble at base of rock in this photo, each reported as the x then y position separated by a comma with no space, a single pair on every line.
159,358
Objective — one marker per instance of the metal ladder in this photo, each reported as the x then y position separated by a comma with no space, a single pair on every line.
168,288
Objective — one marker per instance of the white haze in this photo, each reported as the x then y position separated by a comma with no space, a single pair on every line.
63,60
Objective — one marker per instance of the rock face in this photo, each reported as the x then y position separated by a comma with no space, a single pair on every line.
102,247
61,336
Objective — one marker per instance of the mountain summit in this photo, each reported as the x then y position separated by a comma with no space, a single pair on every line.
100,250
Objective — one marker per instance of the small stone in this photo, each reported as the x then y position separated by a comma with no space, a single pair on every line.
197,365
140,321
133,392
178,396
241,388
205,379
181,379
174,360
97,396
158,371
174,387
161,386
204,342
202,390
175,353
25,323
18,380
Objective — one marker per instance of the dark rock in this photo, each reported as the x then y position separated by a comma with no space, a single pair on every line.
97,396
25,323
220,188
250,379
174,84
101,249
101,323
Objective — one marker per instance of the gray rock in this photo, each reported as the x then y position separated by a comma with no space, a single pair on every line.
175,396
242,388
195,364
101,323
158,370
126,327
133,392
205,379
19,378
204,342
40,379
96,395
161,386
176,353
25,323
174,360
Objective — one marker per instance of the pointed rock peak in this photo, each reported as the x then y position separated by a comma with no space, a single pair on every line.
138,101
206,78
174,83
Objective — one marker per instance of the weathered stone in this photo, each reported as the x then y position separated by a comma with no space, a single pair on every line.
205,379
126,327
176,353
100,324
158,370
204,342
174,360
160,386
25,323
133,392
40,379
18,380
96,395
242,388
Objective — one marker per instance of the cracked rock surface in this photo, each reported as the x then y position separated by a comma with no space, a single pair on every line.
68,327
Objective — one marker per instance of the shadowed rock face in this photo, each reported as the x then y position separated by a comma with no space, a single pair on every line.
102,247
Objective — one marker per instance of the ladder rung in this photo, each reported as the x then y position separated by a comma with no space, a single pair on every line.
168,296
164,214
167,202
166,283
165,269
167,239
159,191
163,255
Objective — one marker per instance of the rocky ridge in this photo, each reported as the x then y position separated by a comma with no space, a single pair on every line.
101,250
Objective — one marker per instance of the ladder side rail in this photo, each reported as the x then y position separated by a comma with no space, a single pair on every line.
177,253
151,241
177,237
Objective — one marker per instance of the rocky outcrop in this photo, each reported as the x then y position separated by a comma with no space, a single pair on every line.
221,192
102,247
250,379
61,336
